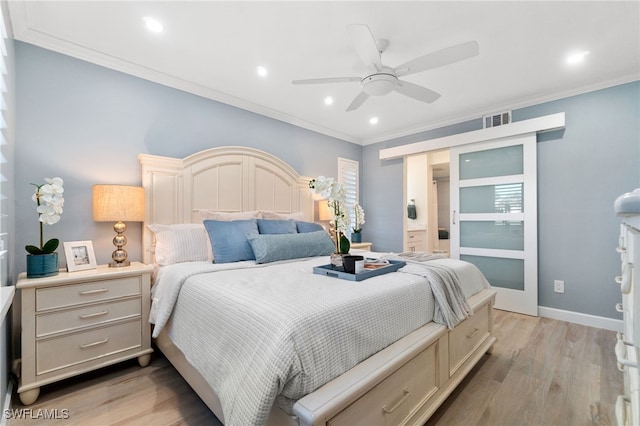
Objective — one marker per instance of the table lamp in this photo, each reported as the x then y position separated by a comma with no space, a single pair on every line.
324,212
118,203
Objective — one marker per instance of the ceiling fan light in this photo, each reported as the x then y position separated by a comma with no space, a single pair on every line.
379,84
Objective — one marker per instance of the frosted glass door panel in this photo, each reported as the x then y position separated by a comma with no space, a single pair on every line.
503,198
501,235
492,162
494,216
500,272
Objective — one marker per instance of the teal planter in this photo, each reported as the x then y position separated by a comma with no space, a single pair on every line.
42,265
356,237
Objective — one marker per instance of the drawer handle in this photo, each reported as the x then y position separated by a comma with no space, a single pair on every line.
96,314
88,292
619,307
90,345
625,279
621,354
473,334
405,395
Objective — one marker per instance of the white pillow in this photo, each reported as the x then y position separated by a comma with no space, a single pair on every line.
282,216
229,216
182,242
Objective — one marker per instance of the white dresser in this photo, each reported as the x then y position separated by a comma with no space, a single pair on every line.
416,240
76,322
627,347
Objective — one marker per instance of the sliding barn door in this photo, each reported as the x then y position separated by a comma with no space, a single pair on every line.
494,217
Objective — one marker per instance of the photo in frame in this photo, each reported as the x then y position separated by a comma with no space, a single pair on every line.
79,255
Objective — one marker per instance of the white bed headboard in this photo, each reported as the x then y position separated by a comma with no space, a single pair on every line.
226,179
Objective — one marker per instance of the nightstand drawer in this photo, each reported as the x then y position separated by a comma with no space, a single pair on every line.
68,320
77,294
61,352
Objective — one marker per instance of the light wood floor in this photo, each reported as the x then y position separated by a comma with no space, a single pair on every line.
541,372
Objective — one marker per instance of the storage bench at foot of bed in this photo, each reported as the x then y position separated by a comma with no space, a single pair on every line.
406,382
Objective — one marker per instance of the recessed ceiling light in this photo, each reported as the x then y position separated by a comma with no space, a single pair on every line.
328,100
373,120
153,25
262,71
577,57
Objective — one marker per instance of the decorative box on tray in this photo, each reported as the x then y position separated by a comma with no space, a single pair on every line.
373,270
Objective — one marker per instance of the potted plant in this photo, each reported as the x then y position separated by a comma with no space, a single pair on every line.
334,193
356,235
42,260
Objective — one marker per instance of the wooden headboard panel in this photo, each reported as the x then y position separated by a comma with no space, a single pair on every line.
226,179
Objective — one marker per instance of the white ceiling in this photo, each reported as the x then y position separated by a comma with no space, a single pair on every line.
213,48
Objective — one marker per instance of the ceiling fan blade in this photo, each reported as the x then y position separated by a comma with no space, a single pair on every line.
328,80
416,92
359,100
439,58
365,45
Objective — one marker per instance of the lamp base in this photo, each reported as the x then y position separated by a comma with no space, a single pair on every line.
119,264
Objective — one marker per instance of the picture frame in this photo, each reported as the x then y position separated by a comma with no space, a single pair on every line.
80,256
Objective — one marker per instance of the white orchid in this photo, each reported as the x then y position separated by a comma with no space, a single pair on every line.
333,192
359,214
49,199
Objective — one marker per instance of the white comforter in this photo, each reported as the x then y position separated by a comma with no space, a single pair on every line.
263,334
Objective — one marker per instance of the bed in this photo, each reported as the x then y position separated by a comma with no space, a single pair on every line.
307,349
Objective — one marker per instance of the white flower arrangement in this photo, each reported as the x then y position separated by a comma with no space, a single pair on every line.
48,197
359,214
334,193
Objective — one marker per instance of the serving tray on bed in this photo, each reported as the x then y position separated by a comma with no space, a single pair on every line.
338,271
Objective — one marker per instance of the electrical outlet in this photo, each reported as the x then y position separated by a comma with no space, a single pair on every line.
558,286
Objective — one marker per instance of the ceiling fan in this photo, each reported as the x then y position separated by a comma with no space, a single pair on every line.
383,79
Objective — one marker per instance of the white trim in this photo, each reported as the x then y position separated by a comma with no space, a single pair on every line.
6,404
539,124
582,319
6,299
21,31
477,115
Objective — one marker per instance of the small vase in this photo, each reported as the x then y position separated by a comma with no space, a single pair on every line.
336,260
356,237
42,265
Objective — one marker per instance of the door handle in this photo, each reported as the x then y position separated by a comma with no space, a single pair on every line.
454,217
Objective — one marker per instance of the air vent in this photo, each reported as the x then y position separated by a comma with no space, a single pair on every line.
497,119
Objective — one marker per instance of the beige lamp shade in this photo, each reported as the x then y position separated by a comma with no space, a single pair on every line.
118,203
324,212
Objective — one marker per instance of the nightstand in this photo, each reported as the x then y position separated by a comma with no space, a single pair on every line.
76,322
362,246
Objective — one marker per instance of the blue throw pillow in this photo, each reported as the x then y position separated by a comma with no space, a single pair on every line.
229,239
268,226
308,227
271,247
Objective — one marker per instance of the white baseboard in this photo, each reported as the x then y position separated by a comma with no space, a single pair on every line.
582,319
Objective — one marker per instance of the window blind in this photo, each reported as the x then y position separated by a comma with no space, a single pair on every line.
4,183
349,177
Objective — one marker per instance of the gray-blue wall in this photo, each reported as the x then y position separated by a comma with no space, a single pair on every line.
581,171
87,124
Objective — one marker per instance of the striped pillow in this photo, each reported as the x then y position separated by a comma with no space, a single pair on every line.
182,242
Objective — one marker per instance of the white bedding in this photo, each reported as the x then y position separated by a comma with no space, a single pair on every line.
265,334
